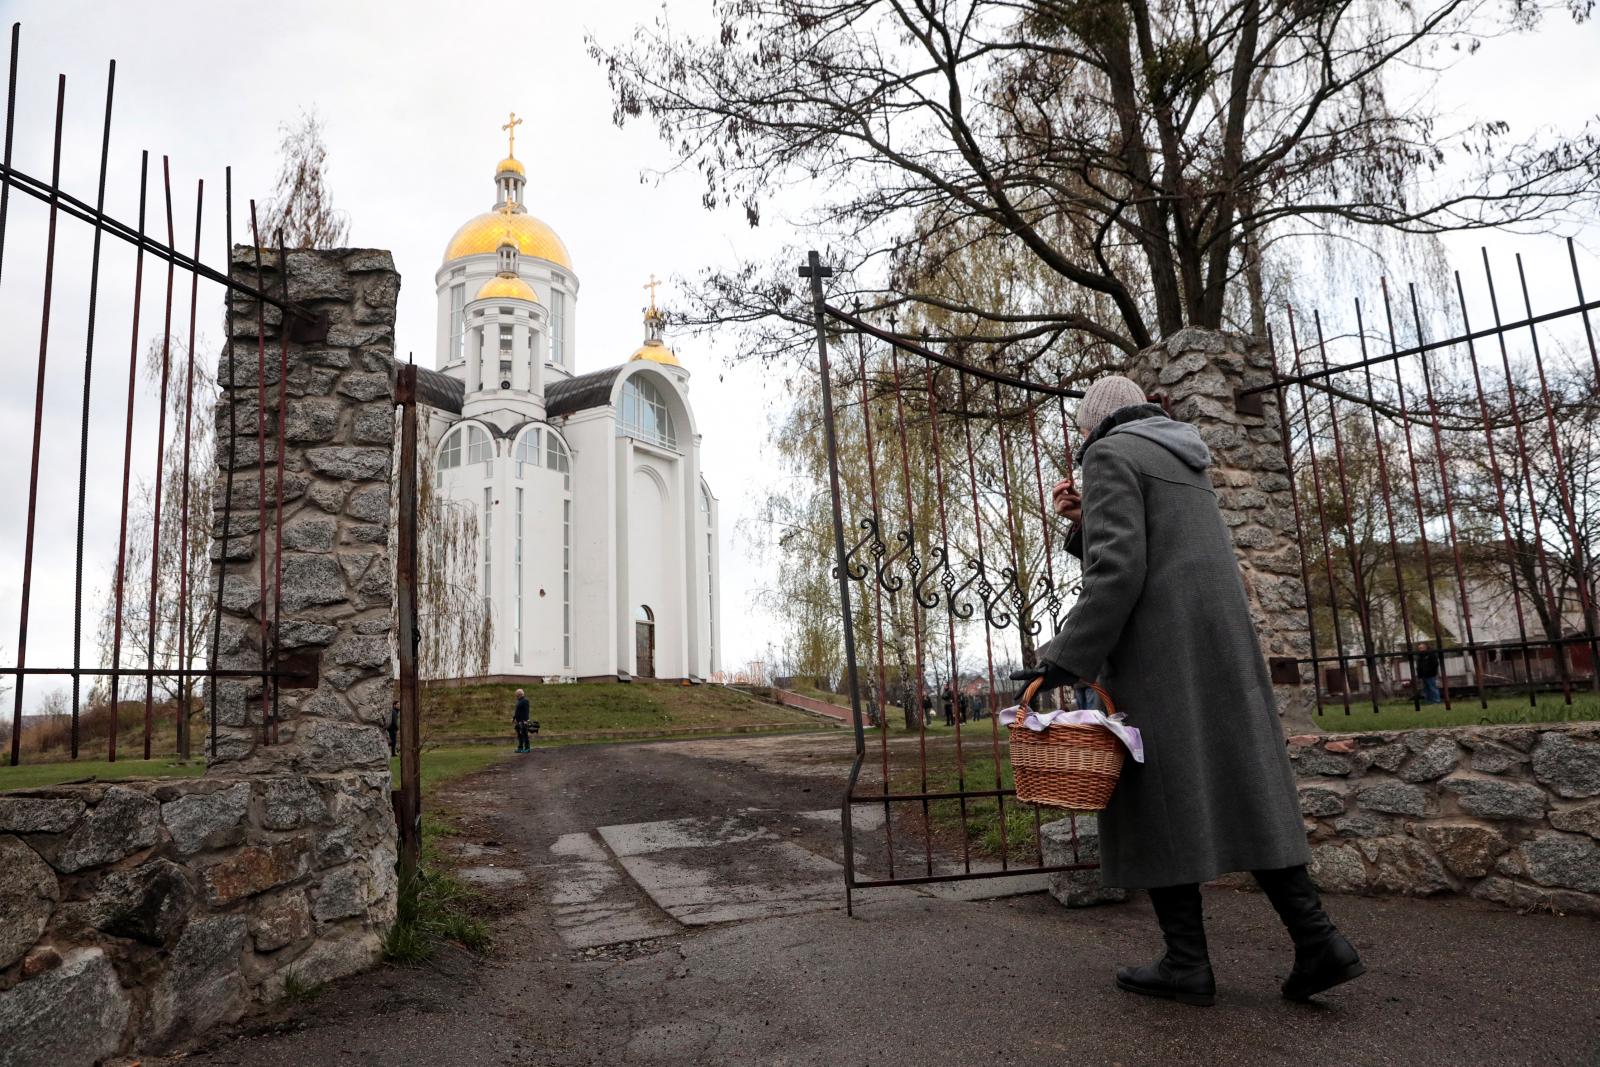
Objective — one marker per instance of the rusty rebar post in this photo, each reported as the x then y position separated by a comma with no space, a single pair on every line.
407,636
38,404
83,430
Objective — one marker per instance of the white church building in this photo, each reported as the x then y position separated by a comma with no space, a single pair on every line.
598,553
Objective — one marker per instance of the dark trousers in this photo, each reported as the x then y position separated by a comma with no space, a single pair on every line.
394,740
524,742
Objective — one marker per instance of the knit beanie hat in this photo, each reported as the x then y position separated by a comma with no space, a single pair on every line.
1106,397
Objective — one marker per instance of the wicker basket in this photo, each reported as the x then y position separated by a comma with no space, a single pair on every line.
1065,766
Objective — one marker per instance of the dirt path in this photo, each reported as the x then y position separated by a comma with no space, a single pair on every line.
597,841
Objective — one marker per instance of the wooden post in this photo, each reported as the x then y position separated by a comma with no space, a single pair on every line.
410,806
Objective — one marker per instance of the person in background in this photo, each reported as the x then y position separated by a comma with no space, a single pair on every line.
519,719
927,705
394,728
1428,672
1164,622
949,708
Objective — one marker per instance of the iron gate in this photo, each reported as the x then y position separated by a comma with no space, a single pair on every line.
941,471
164,619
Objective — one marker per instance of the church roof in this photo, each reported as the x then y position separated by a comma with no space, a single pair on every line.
585,391
438,390
485,233
507,287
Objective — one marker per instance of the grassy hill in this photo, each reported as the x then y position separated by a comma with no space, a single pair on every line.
599,711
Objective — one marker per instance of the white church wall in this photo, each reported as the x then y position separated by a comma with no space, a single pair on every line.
688,582
708,561
542,644
655,570
595,573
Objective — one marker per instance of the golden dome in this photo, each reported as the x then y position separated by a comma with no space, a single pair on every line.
656,352
513,164
502,287
487,232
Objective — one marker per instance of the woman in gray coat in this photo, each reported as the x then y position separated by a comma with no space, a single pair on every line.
1163,622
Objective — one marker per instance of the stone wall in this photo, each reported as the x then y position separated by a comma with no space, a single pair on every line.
1509,814
136,915
1200,373
139,914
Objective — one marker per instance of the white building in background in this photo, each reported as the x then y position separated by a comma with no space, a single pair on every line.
599,547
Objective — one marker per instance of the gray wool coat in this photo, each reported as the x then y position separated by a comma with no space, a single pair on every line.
1164,623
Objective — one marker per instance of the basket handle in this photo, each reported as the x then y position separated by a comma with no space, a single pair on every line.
1034,686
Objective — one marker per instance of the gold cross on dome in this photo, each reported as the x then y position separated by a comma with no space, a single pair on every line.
651,285
511,131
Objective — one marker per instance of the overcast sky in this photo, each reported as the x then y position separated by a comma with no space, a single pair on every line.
413,95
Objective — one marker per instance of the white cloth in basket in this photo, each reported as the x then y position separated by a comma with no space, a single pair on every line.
1039,721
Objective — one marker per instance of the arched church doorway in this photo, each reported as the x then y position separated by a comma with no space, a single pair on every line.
644,642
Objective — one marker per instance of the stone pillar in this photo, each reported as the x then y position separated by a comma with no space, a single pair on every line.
338,456
1200,373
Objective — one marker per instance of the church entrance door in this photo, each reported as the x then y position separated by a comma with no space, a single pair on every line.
644,642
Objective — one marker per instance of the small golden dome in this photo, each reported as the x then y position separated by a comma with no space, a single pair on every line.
487,232
503,287
656,352
513,164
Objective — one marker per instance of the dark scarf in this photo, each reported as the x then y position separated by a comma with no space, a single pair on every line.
1131,413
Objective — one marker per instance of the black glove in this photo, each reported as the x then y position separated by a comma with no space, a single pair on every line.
1055,677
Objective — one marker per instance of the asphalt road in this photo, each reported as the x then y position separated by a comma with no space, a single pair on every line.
910,981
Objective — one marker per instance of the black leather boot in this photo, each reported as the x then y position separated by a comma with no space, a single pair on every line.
1184,973
1323,958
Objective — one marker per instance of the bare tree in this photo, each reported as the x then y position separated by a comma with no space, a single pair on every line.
1145,152
301,205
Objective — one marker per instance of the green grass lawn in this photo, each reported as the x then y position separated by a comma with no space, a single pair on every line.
439,765
596,709
32,774
1502,710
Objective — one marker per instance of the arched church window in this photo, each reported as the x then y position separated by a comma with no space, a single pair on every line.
479,448
450,452
528,450
557,458
644,414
